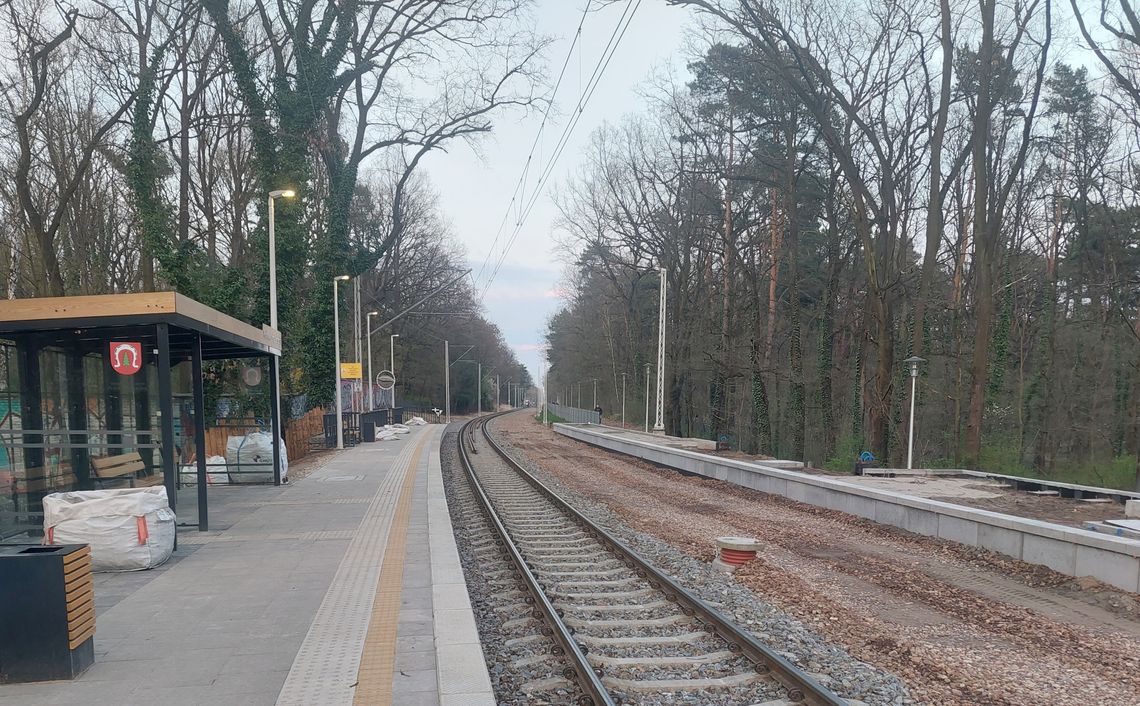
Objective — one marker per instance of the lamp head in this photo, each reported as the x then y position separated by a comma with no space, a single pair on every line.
374,313
341,278
282,193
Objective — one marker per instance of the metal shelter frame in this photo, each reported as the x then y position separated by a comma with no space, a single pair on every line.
172,328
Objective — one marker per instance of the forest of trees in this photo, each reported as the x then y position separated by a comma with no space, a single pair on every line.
837,186
139,140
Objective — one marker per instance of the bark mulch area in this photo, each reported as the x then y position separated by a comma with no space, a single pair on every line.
960,625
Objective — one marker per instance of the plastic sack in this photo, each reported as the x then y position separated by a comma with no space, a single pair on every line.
416,422
243,452
128,529
216,472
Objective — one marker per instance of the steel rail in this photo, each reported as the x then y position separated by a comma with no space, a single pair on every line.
800,686
595,693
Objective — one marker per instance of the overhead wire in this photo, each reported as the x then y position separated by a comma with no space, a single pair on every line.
592,84
520,186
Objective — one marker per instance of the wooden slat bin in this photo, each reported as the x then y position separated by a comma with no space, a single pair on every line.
47,612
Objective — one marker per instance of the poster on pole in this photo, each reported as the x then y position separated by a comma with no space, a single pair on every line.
350,371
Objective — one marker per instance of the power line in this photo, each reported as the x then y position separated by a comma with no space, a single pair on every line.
520,185
595,79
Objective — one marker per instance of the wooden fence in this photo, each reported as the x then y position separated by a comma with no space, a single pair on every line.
297,434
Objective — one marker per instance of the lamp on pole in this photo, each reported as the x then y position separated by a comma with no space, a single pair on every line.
647,366
447,380
392,364
913,362
336,347
545,393
275,194
595,393
623,400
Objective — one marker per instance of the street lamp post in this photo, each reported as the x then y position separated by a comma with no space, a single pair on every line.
545,393
371,402
647,366
447,380
623,400
276,194
595,393
913,361
336,346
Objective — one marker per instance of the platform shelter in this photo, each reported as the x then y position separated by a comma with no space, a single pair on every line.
88,398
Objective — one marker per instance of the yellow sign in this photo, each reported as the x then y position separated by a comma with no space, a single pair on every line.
350,371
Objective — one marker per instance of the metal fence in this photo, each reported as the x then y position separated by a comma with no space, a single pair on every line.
575,415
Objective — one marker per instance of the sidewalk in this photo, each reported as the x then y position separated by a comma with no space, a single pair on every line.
319,592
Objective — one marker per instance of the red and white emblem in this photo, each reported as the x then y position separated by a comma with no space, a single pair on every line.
126,357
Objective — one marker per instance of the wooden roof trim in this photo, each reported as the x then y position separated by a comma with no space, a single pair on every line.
158,304
200,312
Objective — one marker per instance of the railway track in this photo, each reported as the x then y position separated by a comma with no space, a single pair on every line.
620,629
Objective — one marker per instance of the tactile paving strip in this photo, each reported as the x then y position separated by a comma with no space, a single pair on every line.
324,671
378,660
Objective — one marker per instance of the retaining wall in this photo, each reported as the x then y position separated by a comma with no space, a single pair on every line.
1068,550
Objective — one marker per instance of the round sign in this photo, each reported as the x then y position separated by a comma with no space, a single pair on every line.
386,379
251,376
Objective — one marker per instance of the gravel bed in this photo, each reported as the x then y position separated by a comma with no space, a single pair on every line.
495,604
515,500
959,626
829,664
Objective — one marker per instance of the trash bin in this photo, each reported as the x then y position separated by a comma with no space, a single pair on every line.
47,612
368,431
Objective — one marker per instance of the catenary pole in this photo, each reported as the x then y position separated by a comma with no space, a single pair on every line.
336,347
371,401
659,424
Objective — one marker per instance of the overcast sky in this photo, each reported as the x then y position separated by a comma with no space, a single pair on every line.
475,189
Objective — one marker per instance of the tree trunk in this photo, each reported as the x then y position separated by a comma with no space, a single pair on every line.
983,240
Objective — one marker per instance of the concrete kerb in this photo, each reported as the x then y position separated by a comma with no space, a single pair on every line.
462,670
1034,541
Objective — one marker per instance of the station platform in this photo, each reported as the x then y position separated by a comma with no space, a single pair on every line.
343,587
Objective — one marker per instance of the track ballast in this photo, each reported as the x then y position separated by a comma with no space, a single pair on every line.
622,630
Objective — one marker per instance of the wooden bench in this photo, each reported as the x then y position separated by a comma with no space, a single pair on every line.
124,467
41,480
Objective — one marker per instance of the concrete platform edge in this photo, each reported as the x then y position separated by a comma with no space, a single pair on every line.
463,679
1067,550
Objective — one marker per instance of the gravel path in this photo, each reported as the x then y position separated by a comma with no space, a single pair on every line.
959,625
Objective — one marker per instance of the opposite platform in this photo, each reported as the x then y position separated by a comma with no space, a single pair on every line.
343,587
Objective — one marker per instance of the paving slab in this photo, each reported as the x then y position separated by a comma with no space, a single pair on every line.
273,605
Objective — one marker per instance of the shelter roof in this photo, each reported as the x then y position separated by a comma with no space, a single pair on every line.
92,320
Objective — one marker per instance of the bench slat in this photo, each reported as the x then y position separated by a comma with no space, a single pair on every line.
117,466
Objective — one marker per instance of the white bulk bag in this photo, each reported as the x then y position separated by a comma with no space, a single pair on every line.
416,422
215,472
128,529
254,448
